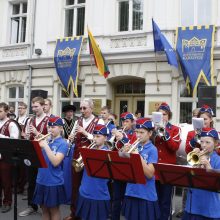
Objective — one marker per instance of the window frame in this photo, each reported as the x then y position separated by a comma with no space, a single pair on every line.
130,18
71,99
193,100
16,99
20,15
74,7
195,13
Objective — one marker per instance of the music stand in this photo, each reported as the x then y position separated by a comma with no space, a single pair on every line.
113,165
16,152
188,177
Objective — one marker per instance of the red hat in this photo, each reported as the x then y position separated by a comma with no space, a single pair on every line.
101,129
206,108
164,106
144,123
55,121
127,115
210,132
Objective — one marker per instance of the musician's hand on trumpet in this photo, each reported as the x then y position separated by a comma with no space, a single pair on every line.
33,130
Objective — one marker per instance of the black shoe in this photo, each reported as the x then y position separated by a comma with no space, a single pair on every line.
6,208
179,214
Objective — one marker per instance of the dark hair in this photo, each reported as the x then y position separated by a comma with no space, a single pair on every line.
4,106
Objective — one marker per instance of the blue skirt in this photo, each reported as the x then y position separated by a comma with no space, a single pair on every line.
49,196
90,209
188,216
140,209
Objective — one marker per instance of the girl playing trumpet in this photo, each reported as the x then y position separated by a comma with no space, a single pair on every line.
94,199
203,204
49,191
140,202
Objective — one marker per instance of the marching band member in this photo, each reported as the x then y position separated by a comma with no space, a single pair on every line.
206,113
22,120
49,192
179,214
94,199
69,119
105,113
202,204
8,129
47,107
140,201
128,135
36,125
83,137
167,145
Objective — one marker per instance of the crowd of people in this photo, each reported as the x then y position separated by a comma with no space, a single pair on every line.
93,198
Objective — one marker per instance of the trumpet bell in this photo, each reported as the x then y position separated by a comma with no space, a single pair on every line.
192,158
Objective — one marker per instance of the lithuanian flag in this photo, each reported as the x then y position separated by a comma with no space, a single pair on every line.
98,57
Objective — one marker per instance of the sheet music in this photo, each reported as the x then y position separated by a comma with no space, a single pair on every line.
198,123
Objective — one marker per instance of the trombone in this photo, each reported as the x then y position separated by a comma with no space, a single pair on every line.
78,163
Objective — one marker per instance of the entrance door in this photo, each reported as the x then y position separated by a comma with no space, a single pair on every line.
129,104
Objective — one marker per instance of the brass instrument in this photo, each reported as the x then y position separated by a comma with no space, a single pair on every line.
78,163
111,143
157,118
133,147
193,158
41,137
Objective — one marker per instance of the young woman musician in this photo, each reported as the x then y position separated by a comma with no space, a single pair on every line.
128,135
140,202
203,204
49,191
94,199
206,113
167,140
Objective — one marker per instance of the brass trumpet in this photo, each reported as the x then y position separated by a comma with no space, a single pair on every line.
193,158
78,163
133,147
41,137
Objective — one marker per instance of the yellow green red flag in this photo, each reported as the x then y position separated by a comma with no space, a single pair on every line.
98,57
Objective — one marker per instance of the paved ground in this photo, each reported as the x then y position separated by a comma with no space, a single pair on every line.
64,209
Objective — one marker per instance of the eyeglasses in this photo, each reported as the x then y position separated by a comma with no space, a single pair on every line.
20,108
83,108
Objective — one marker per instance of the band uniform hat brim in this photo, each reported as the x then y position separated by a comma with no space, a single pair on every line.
69,108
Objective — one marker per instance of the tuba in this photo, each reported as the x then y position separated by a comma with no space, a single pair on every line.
193,158
78,163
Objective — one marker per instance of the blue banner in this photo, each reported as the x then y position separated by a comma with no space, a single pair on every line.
161,44
195,50
66,59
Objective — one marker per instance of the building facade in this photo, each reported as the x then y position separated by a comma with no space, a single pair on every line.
139,78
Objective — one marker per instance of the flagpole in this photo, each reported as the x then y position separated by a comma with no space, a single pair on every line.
155,54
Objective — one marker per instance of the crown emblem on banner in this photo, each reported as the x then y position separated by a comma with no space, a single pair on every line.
193,45
67,52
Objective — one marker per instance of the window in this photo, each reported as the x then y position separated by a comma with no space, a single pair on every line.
18,23
71,100
196,12
134,87
188,102
130,15
74,17
15,95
